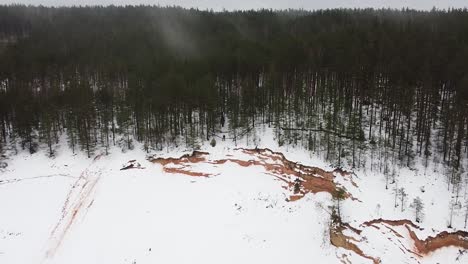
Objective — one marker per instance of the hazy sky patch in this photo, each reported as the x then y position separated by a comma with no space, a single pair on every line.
256,4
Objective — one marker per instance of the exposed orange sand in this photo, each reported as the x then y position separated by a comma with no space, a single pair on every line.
421,247
430,244
338,239
444,239
312,179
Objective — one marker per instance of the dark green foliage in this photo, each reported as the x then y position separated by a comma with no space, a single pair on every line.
418,208
340,82
338,195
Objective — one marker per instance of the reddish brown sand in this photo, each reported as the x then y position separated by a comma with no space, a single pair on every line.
391,222
195,157
186,172
444,239
430,244
338,239
313,179
421,247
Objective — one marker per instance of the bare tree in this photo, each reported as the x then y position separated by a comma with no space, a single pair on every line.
396,191
403,195
387,175
452,208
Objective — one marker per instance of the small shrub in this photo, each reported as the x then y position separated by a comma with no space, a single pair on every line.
213,142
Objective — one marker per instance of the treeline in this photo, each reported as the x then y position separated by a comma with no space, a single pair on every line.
349,84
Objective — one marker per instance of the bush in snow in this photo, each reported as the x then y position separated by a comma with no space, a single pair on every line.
213,142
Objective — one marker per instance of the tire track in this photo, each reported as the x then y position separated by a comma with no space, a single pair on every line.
77,202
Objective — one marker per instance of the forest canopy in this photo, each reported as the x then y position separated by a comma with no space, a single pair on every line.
342,82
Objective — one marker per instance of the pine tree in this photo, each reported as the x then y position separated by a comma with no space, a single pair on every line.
418,208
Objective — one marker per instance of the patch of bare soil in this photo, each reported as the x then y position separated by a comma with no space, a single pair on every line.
187,172
430,244
195,157
311,179
421,247
183,164
339,239
444,239
300,178
391,222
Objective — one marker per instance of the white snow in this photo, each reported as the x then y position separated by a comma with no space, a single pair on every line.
71,209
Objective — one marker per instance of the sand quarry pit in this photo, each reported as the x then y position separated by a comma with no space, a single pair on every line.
116,210
443,239
300,179
401,233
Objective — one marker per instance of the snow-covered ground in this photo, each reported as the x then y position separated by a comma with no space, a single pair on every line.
71,209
